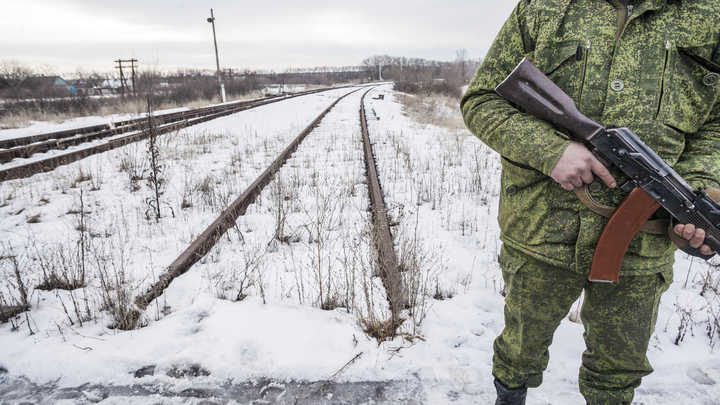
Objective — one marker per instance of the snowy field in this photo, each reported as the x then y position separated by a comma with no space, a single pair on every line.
288,294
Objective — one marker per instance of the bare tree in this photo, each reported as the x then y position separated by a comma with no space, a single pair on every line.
461,56
12,74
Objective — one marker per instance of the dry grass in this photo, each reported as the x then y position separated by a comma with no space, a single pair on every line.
24,118
381,330
130,106
433,109
18,299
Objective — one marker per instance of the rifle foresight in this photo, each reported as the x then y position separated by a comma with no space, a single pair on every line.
528,88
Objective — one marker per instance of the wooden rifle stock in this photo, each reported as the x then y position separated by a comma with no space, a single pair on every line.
528,87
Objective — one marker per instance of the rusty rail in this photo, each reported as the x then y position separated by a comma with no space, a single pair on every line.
206,240
169,122
381,235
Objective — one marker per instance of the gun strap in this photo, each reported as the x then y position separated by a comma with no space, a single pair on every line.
654,226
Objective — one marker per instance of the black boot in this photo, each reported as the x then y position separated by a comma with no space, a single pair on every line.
508,396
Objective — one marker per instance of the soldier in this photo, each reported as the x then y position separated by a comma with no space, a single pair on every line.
650,65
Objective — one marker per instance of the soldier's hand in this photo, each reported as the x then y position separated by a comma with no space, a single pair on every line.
695,236
577,166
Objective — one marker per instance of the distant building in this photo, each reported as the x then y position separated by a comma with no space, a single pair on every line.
276,89
111,84
83,87
41,86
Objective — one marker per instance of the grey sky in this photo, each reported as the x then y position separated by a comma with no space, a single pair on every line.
265,34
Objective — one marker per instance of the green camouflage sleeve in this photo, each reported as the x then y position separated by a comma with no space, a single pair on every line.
699,163
515,135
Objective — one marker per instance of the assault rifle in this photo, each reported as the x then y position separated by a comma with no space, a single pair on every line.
653,183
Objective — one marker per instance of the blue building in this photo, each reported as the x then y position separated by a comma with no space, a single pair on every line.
43,86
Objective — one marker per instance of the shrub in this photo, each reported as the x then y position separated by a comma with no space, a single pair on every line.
407,87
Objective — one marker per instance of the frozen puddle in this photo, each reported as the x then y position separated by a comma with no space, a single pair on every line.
262,391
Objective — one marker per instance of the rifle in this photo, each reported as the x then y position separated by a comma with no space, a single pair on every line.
653,183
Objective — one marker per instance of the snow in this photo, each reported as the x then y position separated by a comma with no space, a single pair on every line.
441,187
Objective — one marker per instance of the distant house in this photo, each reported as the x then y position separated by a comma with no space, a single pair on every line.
81,86
276,89
108,86
41,86
111,84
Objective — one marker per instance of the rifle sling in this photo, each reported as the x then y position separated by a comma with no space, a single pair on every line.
654,226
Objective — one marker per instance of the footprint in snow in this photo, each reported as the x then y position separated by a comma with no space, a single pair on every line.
699,376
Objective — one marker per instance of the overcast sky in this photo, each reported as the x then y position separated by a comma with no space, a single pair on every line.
267,34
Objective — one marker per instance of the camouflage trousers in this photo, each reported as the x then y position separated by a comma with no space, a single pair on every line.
618,320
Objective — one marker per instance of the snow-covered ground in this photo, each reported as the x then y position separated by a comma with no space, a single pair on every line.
444,186
251,309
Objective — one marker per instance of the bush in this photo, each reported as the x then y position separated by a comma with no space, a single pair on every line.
407,87
442,87
445,88
67,105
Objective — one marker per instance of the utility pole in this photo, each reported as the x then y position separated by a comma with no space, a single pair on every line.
123,63
122,76
221,86
133,61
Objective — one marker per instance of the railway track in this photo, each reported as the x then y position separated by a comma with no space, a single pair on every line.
382,237
135,130
209,237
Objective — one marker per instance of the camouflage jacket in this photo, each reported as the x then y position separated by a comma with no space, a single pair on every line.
653,67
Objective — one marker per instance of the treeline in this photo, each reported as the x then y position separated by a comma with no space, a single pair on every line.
416,75
24,90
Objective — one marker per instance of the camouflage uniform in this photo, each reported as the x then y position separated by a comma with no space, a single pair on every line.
653,67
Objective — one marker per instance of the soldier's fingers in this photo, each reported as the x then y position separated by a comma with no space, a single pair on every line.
689,231
587,177
577,181
601,171
679,228
567,186
698,238
706,250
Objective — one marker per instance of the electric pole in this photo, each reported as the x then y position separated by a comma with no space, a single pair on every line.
123,63
123,83
221,86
